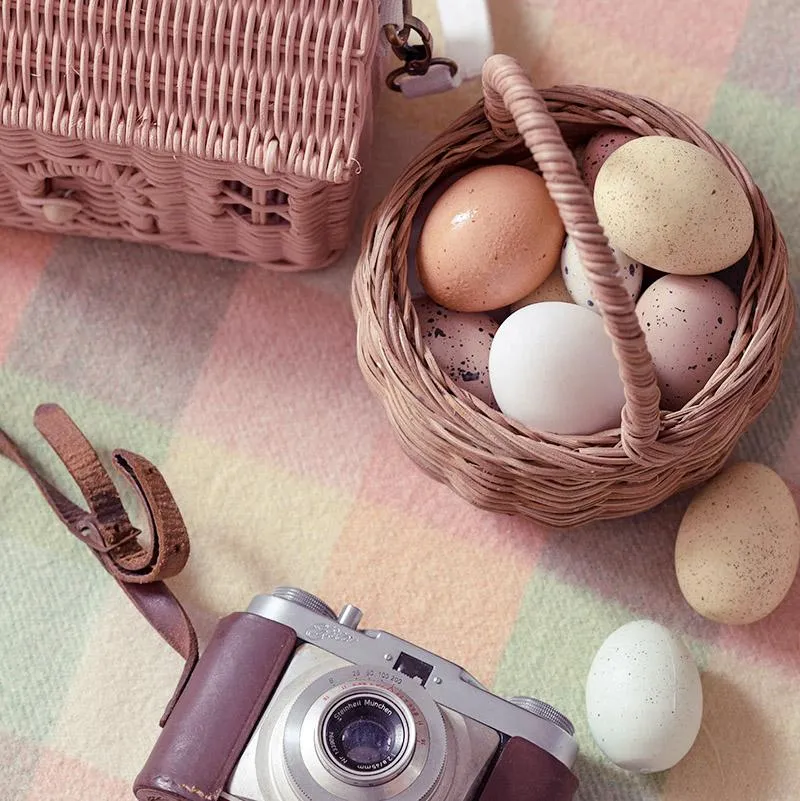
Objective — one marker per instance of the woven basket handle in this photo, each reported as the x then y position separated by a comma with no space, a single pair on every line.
513,106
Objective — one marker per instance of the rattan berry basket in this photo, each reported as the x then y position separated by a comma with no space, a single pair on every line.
489,459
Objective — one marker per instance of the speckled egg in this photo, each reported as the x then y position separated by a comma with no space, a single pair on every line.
489,240
577,282
688,324
644,699
738,546
673,206
460,344
551,289
599,148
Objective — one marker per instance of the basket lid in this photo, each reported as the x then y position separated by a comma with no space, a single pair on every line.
282,85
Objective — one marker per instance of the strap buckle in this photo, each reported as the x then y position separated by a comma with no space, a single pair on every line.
417,58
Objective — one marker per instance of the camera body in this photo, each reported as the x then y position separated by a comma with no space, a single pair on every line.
291,702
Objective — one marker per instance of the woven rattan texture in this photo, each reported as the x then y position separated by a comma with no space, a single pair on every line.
494,462
230,127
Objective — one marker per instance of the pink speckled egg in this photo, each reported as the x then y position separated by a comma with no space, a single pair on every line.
599,148
688,323
460,343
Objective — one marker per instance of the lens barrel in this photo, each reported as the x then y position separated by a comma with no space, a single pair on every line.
366,733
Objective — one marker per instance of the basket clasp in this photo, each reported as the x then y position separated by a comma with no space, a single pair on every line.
417,58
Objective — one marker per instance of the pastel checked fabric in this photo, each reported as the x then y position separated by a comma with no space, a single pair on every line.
241,385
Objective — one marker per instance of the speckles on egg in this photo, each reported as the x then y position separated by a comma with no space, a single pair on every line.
738,546
689,323
644,699
599,148
673,206
460,344
577,282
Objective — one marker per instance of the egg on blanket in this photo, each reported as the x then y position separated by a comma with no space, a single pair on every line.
577,282
460,344
644,699
738,546
688,323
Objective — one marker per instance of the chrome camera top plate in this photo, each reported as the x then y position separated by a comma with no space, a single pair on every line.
446,683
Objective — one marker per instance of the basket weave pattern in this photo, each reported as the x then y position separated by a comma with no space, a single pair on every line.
231,127
492,461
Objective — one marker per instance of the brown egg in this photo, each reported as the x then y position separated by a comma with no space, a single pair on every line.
491,239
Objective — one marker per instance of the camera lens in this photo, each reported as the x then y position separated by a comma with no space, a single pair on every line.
366,733
360,732
368,742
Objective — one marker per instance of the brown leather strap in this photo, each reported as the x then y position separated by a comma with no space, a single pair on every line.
108,531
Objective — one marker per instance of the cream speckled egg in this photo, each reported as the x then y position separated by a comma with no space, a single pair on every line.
688,323
673,206
577,282
460,343
551,289
599,148
738,546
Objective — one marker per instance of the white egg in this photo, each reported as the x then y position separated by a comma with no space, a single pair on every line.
552,368
577,282
644,700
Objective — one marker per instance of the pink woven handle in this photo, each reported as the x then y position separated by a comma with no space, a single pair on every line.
511,102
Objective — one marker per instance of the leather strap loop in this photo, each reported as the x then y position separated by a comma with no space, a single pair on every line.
108,531
120,552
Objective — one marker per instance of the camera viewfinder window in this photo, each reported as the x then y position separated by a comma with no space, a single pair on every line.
413,668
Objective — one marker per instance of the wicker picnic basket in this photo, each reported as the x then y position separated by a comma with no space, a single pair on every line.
227,127
490,460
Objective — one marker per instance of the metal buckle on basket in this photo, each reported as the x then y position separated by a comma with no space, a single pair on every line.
417,58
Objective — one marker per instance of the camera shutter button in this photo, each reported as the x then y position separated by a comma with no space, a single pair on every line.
544,711
350,616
